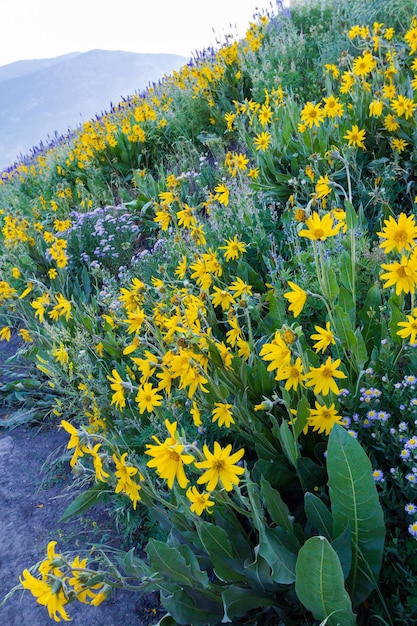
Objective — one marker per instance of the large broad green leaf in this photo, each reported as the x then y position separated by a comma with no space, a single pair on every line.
343,547
344,328
319,583
311,474
355,502
277,552
276,507
167,620
277,546
228,520
190,607
318,515
237,601
220,551
173,565
134,566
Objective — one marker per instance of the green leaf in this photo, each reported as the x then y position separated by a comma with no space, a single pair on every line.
274,550
190,558
346,303
359,351
189,607
220,551
276,507
345,265
228,520
396,316
272,544
289,443
330,286
318,515
311,474
369,315
257,572
355,502
343,546
237,601
351,217
172,565
319,583
134,566
344,328
167,620
85,501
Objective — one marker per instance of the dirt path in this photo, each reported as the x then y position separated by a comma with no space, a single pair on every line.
31,503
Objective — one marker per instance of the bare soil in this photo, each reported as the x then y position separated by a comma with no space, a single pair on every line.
33,497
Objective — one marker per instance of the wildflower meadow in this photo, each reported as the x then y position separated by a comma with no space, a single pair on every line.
214,286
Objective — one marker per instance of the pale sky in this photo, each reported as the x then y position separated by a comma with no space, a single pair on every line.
36,29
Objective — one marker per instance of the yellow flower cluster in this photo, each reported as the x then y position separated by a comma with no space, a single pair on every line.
61,582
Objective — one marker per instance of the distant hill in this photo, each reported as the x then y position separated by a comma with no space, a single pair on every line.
39,98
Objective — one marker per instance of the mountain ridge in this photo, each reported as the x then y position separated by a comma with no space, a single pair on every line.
43,98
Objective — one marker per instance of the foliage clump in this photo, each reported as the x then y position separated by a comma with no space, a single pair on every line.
216,283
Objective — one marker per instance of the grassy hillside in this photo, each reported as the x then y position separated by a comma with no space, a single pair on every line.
214,289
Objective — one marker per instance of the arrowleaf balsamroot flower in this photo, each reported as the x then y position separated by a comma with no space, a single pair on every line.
222,413
323,378
409,329
355,137
262,141
403,106
169,457
5,333
323,418
277,352
398,144
332,107
118,398
399,235
402,274
125,483
292,374
148,398
101,475
199,501
364,64
233,248
323,187
221,467
45,596
320,228
135,320
297,298
324,337
312,114
390,123
40,304
61,309
74,441
222,194
240,288
222,298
